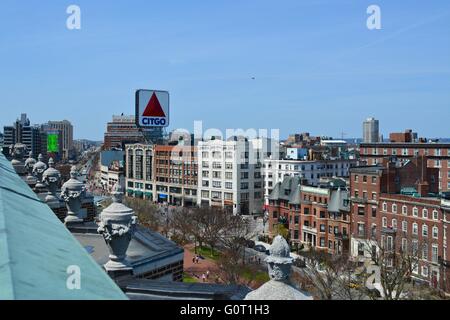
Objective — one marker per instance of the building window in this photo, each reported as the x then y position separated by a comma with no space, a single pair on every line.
435,215
374,179
425,213
394,223
360,249
404,245
229,175
405,226
394,208
390,243
384,222
356,178
361,229
435,232
405,210
424,271
415,212
216,195
425,251
424,230
415,228
361,211
434,253
384,206
374,212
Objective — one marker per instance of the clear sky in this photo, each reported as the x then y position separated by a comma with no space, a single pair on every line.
316,66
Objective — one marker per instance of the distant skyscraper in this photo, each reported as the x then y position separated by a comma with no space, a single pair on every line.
66,129
23,132
371,131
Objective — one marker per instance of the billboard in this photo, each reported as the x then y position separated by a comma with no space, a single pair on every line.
52,142
152,108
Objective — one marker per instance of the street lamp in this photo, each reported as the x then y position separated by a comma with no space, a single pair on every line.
265,219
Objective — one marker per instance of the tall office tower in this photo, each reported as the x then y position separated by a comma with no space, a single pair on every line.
66,130
371,131
23,132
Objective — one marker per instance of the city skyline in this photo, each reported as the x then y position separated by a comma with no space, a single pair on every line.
323,75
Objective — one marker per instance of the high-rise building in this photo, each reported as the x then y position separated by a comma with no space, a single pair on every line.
23,132
66,130
371,131
122,130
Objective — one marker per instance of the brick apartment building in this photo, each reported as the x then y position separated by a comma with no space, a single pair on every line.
176,174
396,205
405,147
316,217
162,173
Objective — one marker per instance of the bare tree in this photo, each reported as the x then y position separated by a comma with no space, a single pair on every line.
330,277
146,212
394,264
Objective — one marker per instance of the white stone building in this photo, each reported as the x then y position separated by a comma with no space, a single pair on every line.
230,174
274,171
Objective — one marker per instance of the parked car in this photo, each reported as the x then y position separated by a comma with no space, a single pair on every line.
250,243
299,263
261,248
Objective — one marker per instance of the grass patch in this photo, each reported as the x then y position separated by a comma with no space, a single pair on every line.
250,274
206,252
188,279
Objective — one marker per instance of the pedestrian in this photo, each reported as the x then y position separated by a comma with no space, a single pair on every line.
204,277
197,259
193,260
207,274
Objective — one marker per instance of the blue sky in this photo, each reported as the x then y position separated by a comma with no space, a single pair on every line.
317,67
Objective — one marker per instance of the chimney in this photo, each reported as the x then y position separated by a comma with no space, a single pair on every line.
423,188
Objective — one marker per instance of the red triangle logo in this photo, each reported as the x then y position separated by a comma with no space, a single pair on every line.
154,108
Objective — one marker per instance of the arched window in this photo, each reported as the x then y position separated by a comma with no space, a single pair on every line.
394,208
435,232
384,206
435,215
384,221
415,212
394,223
425,213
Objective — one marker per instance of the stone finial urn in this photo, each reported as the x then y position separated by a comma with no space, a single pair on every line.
51,178
73,192
38,170
18,152
279,287
117,225
279,261
29,164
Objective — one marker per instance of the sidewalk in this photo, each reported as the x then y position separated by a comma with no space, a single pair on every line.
196,270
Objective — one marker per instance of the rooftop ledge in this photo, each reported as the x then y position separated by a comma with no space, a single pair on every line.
39,257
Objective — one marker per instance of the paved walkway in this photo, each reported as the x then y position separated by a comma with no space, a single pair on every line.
197,270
